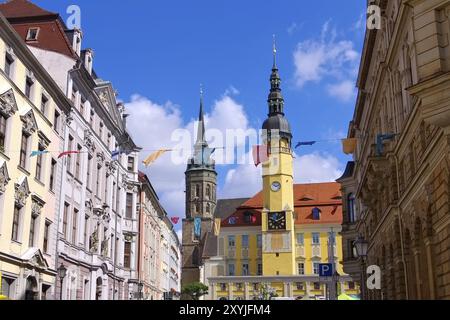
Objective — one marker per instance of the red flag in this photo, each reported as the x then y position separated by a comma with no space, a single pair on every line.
260,154
66,153
175,220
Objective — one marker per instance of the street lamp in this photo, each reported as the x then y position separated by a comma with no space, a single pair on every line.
361,246
62,271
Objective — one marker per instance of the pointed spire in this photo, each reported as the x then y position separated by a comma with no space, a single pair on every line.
276,101
201,121
274,52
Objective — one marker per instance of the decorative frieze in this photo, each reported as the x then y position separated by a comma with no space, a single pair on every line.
8,104
4,177
22,193
29,125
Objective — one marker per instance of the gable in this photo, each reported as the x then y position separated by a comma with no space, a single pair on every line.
107,97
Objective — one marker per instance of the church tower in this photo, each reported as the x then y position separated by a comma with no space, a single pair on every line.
278,188
201,185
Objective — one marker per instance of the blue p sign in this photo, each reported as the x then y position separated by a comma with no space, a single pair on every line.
325,270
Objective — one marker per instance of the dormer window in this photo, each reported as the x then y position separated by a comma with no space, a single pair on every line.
32,34
316,213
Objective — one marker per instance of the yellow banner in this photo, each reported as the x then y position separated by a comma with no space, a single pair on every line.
217,224
349,145
154,156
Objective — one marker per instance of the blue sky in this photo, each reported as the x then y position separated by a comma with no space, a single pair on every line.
160,51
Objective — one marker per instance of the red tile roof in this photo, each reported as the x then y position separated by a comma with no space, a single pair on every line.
325,196
23,8
23,15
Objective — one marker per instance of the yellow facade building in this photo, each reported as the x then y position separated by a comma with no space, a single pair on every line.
32,110
277,240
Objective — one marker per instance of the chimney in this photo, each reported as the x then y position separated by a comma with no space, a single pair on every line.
88,57
76,41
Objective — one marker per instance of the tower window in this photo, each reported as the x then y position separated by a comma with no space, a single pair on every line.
32,34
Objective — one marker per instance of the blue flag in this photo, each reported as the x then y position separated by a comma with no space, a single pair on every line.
305,143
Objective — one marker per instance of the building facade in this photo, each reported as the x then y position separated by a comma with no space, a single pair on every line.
201,185
72,174
398,196
234,260
159,247
279,238
31,137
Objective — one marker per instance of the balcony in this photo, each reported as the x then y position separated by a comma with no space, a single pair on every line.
244,254
231,253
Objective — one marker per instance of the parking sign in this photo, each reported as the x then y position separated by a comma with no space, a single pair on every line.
325,270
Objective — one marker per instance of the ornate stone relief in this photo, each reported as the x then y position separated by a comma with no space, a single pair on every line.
22,193
8,104
100,157
89,141
29,123
110,168
4,177
129,185
36,207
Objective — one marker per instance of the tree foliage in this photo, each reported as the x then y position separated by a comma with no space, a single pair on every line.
195,290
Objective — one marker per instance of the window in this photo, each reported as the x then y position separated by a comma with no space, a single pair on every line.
88,173
82,108
113,191
108,140
46,236
127,255
97,181
130,166
56,121
65,217
2,132
32,34
74,226
245,271
351,285
245,241
260,269
223,287
300,239
86,226
69,156
208,191
301,268
9,64
53,175
78,163
16,223
74,96
197,190
29,83
316,285
231,271
44,104
106,187
129,206
100,131
351,208
92,119
7,287
23,151
315,238
231,241
259,241
39,159
299,286
316,213
32,231
316,267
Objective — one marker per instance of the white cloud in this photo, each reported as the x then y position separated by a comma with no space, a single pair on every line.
292,28
326,58
180,234
152,125
246,180
344,91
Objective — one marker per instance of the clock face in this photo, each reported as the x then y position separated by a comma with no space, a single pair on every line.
276,186
277,221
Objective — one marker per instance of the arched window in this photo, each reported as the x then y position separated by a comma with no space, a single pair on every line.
208,208
197,190
351,208
208,191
